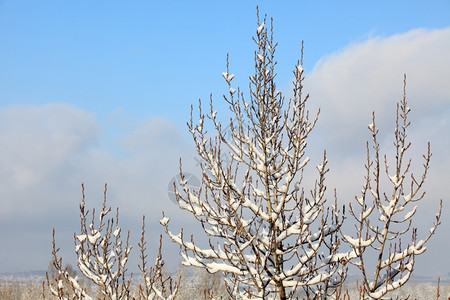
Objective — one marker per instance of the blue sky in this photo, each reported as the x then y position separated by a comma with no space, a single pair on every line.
156,57
100,92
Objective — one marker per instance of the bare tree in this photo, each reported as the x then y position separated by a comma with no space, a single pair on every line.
267,234
197,283
384,215
102,259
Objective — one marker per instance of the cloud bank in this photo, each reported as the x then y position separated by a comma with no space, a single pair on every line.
352,83
47,151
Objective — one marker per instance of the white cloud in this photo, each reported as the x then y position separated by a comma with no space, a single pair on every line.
40,149
360,78
48,151
351,83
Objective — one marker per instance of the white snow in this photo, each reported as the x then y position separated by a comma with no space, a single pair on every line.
228,77
117,232
356,243
222,267
367,213
321,167
283,189
411,213
164,221
81,237
93,238
260,28
394,179
123,262
407,198
225,75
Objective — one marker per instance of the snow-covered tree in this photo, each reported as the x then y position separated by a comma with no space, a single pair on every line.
102,259
267,234
384,215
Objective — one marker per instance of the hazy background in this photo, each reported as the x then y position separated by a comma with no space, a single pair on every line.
100,91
